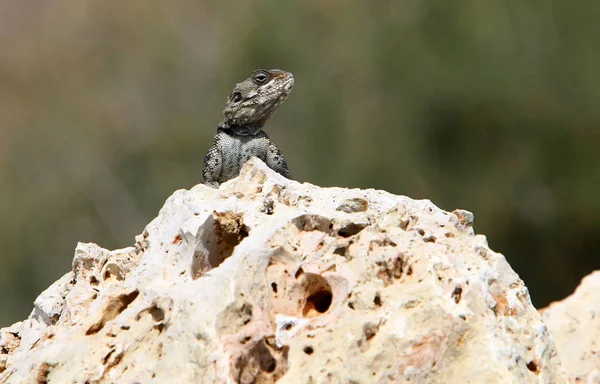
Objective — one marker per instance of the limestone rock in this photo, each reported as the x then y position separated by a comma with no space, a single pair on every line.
575,326
267,279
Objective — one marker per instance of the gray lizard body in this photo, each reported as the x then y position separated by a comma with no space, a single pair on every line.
240,135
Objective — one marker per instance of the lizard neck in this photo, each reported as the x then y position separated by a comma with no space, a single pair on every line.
251,129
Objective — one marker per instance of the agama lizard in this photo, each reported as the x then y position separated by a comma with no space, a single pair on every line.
240,136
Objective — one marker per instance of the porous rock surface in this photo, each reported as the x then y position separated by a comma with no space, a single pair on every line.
268,280
575,326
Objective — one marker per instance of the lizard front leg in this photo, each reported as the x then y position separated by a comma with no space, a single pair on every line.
276,162
213,164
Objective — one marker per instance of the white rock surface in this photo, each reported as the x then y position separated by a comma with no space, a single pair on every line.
575,326
267,280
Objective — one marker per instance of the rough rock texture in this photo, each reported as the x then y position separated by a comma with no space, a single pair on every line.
575,326
267,279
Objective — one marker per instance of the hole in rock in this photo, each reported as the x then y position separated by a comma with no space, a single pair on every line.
350,229
288,326
310,222
157,313
532,366
270,341
112,271
370,330
404,224
456,294
274,287
353,205
114,306
216,240
320,301
399,264
377,300
262,355
429,239
128,298
318,295
246,313
107,356
229,228
308,350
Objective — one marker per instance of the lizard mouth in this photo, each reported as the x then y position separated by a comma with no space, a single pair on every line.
289,84
287,80
285,89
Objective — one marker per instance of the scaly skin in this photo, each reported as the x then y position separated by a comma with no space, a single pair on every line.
240,136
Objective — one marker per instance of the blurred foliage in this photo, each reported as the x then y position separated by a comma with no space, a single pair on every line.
108,107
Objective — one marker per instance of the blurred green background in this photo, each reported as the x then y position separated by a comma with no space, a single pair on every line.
107,107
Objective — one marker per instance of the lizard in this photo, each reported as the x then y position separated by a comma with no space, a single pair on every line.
240,135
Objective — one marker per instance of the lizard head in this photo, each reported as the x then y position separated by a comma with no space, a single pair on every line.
256,99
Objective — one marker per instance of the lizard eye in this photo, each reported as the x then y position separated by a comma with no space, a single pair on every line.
236,97
260,78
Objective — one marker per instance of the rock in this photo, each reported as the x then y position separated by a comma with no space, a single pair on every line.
575,326
267,279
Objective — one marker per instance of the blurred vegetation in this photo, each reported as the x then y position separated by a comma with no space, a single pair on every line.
107,107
